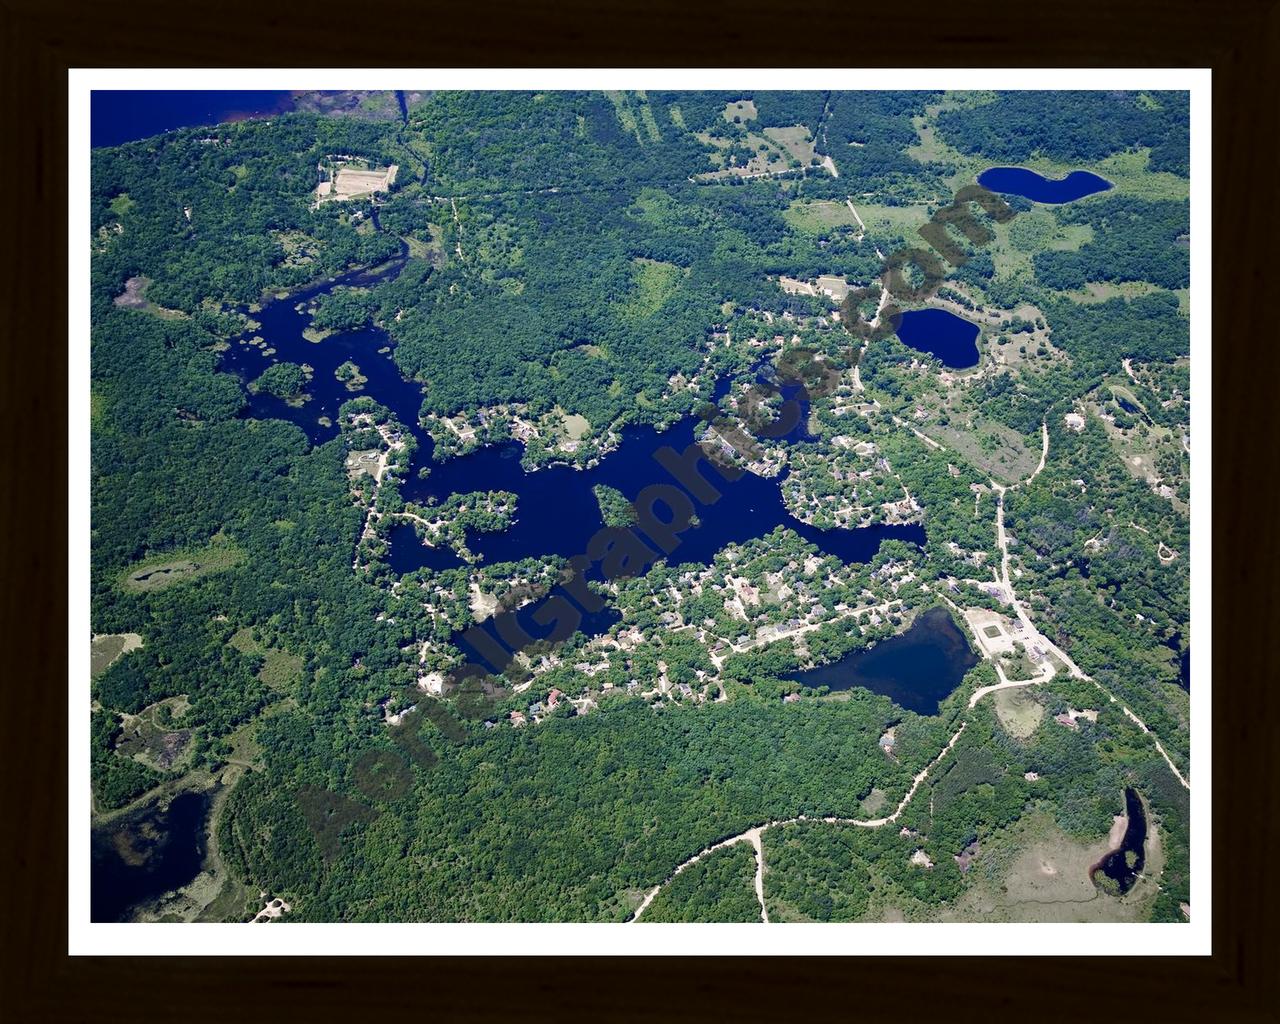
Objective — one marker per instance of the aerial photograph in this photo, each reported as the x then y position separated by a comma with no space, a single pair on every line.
638,506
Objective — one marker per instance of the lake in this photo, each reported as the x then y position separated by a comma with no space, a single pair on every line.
145,854
917,669
557,513
1123,866
940,333
124,115
1020,181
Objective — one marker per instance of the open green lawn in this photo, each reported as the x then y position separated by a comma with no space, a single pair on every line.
819,216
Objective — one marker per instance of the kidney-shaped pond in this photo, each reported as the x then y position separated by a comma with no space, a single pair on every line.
1020,181
941,333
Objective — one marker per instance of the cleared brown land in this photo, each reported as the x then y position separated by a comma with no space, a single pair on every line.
350,183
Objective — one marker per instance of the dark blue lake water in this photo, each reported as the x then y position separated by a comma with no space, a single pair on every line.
145,855
916,669
1123,866
557,513
939,332
123,115
1020,181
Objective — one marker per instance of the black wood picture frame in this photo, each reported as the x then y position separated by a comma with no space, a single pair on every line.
41,39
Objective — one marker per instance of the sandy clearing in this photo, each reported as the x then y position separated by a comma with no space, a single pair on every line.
482,605
349,183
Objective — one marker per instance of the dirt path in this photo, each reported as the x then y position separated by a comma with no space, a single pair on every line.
1006,684
853,210
1044,451
1033,635
752,835
900,422
875,322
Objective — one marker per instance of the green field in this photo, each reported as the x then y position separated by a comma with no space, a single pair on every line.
167,569
819,216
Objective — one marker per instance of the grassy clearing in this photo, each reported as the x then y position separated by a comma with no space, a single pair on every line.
653,281
1035,872
245,642
576,427
1128,172
122,204
647,120
1017,241
420,250
280,669
742,110
635,115
989,446
768,156
892,221
819,217
874,801
361,462
165,569
1101,291
797,142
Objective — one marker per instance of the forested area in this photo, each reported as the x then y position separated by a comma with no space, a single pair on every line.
557,823
1066,126
717,888
816,871
1133,240
560,256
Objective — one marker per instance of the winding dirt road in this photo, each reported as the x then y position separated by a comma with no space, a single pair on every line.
1033,635
752,836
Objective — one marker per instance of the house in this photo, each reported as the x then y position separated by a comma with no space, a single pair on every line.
517,719
790,698
553,698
